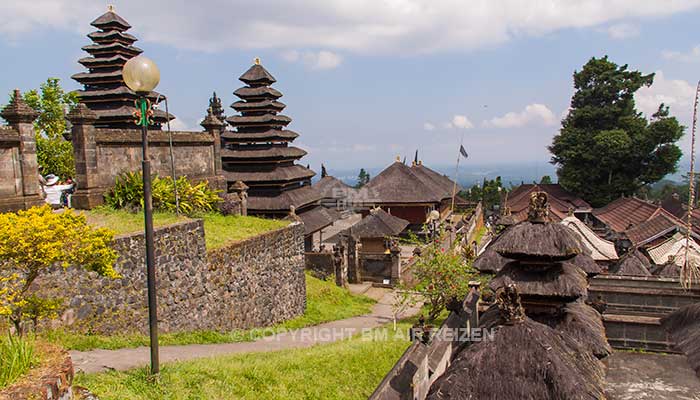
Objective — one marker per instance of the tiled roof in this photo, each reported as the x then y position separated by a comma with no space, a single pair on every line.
674,246
601,249
560,201
625,212
655,227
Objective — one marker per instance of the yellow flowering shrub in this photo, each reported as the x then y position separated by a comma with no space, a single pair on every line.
34,240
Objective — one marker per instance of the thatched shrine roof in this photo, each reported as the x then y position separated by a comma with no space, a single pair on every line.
586,263
399,183
489,261
684,327
561,280
318,218
525,360
332,187
585,325
538,242
378,224
634,263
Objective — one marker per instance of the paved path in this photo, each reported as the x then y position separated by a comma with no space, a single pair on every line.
123,359
649,376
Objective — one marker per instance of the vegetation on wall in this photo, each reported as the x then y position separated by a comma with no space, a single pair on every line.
128,193
606,148
54,152
33,241
17,355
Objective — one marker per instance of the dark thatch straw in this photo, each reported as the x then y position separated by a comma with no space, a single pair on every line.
633,263
538,242
668,270
586,263
565,281
684,327
489,261
585,325
527,360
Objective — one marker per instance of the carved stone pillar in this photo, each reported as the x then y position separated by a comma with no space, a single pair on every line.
215,128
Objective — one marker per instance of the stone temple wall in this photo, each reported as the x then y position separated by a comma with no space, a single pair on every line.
252,283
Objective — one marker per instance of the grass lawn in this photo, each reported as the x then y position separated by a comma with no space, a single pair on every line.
219,230
349,369
324,302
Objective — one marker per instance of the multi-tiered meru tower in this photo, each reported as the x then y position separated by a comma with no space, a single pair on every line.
104,91
259,152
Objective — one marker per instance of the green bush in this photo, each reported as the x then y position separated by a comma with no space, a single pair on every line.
128,193
17,355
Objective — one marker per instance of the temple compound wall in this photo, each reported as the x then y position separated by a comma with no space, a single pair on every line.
103,154
252,283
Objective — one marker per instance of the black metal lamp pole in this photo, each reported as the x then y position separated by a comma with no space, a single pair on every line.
145,114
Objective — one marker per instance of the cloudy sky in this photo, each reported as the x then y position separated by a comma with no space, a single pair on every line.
367,80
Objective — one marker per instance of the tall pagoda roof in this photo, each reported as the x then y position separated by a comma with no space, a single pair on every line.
105,92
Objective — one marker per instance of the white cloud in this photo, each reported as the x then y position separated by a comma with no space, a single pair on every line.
428,126
622,31
359,147
691,56
532,114
314,60
462,122
361,26
675,93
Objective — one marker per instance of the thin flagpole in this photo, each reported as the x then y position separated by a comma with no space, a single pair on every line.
454,187
689,270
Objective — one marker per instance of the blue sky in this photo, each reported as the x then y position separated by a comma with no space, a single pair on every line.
365,81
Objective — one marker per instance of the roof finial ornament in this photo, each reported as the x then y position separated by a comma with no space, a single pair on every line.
539,208
256,60
110,8
398,158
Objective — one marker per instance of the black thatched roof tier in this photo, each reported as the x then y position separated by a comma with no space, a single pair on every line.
538,242
526,360
105,92
585,325
254,93
257,151
243,153
668,270
490,262
279,175
684,327
110,21
378,224
112,36
633,263
258,106
563,281
298,197
257,75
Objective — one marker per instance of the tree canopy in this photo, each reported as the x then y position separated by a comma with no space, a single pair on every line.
606,148
362,178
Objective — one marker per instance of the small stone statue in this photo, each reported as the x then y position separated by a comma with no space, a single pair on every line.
539,208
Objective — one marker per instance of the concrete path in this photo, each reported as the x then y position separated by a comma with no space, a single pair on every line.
635,376
124,359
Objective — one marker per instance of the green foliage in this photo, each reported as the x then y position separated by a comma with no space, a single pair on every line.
224,229
362,178
128,193
489,193
54,153
546,180
606,148
345,370
325,302
17,355
440,275
32,241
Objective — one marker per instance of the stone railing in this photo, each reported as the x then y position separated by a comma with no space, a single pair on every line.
426,360
255,282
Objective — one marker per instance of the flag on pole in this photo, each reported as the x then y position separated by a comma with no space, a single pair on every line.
463,152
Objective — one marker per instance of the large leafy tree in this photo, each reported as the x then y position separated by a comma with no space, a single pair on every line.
54,153
606,148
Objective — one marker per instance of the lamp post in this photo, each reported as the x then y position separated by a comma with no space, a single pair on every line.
142,76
